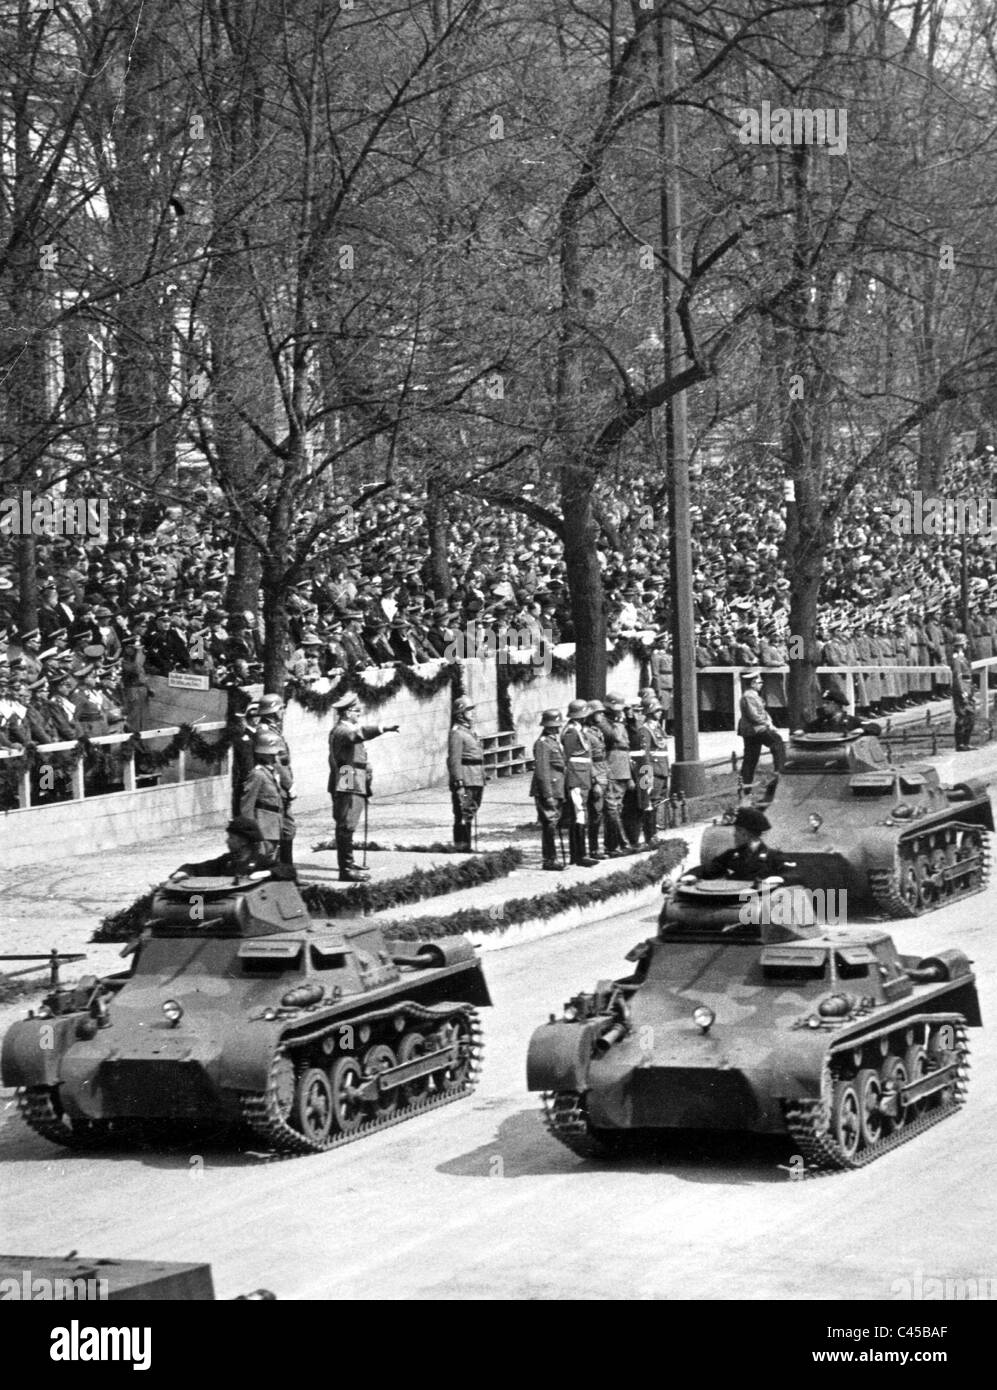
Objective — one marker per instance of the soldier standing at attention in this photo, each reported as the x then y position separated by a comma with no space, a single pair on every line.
264,797
244,723
577,780
271,719
963,695
350,780
600,776
466,770
652,778
547,786
614,731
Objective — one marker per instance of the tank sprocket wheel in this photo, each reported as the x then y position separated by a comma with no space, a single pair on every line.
264,1112
40,1109
566,1116
810,1122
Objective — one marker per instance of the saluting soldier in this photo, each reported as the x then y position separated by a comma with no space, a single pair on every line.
577,745
652,777
350,780
466,770
600,776
547,786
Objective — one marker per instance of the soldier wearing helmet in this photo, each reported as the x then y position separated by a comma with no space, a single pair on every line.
547,786
350,780
653,772
264,797
270,715
614,731
595,816
466,770
577,745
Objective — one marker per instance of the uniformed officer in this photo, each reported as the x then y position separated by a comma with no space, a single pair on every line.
350,780
270,715
547,786
653,773
577,745
466,770
242,856
600,776
264,796
755,726
615,733
833,718
963,694
751,858
630,812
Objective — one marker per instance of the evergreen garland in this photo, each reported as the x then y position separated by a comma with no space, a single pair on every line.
563,667
374,696
104,760
544,905
358,900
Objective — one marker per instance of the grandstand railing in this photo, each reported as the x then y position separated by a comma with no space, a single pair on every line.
129,775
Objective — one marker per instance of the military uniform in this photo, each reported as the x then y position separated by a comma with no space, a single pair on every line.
963,699
264,800
547,789
746,862
600,781
350,781
653,775
577,745
466,770
614,731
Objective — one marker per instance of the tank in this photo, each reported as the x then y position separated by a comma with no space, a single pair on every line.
240,1010
824,1035
893,838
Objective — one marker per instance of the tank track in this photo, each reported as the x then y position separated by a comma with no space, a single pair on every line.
37,1107
809,1125
884,885
261,1113
566,1116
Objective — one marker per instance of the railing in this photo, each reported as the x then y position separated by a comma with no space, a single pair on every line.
78,770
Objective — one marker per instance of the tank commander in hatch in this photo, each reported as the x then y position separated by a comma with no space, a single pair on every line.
751,858
833,718
241,859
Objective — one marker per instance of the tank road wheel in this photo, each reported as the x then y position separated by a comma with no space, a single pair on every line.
928,886
916,1066
454,1077
846,1118
377,1059
313,1106
347,1108
413,1045
870,1094
893,1076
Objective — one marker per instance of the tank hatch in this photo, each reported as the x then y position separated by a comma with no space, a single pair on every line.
228,907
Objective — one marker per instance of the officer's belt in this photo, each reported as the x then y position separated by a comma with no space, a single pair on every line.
472,762
578,760
657,755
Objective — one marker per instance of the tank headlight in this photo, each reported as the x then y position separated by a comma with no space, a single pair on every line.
813,1021
703,1017
172,1012
815,820
43,1012
269,1015
570,1013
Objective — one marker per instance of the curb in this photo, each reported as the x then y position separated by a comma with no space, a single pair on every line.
523,933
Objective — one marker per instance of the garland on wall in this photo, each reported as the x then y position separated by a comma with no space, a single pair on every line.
563,667
517,910
358,900
374,696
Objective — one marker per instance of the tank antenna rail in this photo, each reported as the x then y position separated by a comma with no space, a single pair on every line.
322,1104
882,1091
932,869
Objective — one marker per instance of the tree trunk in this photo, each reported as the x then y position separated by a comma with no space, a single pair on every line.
276,621
436,524
588,613
244,582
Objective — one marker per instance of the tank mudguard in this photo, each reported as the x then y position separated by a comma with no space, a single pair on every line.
880,846
560,1054
33,1050
245,1062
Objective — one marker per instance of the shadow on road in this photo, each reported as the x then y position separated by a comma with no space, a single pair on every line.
523,1148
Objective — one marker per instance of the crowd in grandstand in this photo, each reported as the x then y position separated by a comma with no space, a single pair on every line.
112,613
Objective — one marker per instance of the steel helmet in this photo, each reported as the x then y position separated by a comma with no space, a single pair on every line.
266,741
270,704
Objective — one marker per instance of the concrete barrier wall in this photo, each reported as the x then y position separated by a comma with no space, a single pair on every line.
42,833
531,698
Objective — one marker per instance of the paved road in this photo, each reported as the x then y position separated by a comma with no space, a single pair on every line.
477,1202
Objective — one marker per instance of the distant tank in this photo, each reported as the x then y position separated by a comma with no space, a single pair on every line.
892,837
826,1036
241,1009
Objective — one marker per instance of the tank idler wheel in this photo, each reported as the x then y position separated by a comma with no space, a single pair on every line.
870,1094
846,1118
916,1066
893,1076
347,1108
413,1045
313,1107
377,1059
458,1031
942,1050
